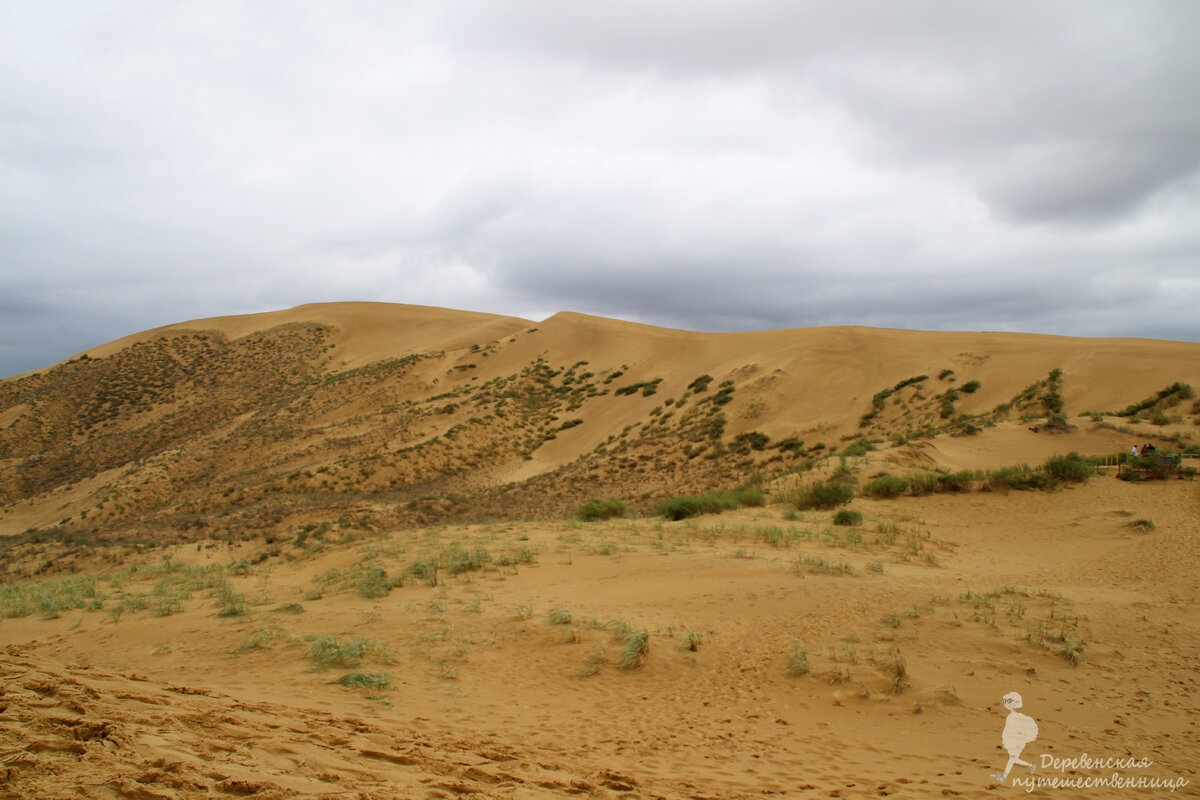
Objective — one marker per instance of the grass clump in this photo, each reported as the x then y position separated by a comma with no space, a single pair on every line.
895,669
595,509
633,654
1072,651
797,666
263,638
691,640
819,566
328,651
559,616
365,680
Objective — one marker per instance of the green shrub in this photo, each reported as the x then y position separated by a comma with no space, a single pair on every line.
971,387
848,517
886,486
923,483
957,481
750,496
1156,465
1071,468
825,496
1022,478
858,449
750,441
595,509
677,508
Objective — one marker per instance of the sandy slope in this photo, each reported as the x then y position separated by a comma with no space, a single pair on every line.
491,700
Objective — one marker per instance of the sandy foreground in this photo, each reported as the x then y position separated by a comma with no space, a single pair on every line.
785,657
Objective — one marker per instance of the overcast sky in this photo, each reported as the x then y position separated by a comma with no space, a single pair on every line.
758,164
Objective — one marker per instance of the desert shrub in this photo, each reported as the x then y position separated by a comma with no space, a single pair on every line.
375,583
858,449
957,481
1172,395
923,483
848,517
1156,465
1052,401
1071,468
885,486
790,445
750,441
825,496
1022,478
1056,423
971,387
595,509
700,384
750,496
677,508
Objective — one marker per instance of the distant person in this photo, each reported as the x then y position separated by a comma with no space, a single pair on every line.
1133,451
1019,730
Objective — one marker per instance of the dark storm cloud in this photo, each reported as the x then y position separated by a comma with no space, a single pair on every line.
1021,166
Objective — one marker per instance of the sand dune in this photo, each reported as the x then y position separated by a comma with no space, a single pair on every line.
329,552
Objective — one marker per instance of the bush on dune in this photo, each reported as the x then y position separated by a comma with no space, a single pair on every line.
677,508
825,496
595,509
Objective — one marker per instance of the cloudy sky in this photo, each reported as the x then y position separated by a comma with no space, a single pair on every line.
707,165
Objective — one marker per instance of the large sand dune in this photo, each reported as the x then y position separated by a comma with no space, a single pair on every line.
209,525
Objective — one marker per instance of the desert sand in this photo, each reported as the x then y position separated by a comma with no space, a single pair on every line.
181,597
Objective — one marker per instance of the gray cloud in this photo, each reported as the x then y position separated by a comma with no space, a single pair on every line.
1018,166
